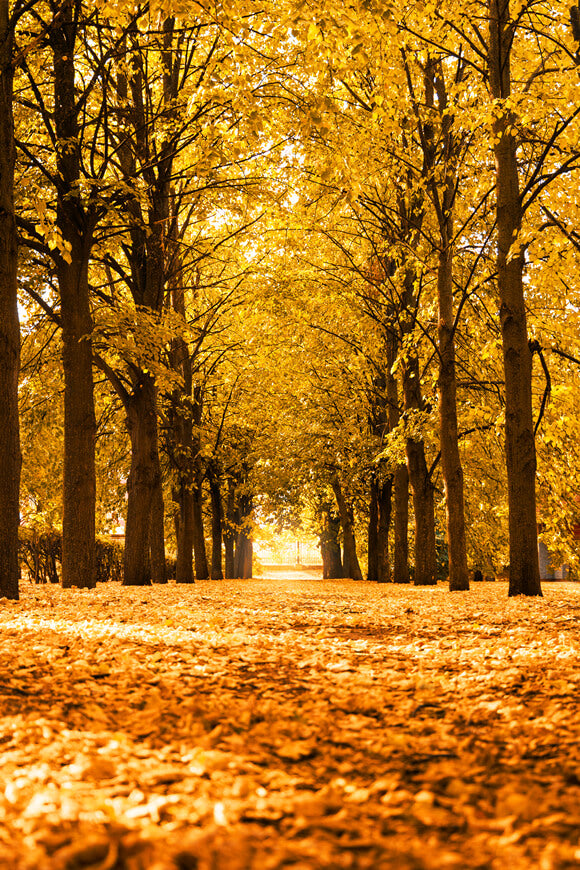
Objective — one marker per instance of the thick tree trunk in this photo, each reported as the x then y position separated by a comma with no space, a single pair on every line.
10,459
199,550
330,544
142,425
448,431
216,525
517,357
422,486
79,489
350,563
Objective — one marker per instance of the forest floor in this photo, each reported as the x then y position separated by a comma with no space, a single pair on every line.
289,723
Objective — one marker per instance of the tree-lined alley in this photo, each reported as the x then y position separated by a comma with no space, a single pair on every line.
296,261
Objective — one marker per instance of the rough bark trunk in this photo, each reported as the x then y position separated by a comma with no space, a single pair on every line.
422,486
229,531
243,558
385,494
79,485
185,525
330,545
373,532
10,458
216,525
350,563
400,475
443,197
517,357
199,550
157,529
401,526
141,483
448,430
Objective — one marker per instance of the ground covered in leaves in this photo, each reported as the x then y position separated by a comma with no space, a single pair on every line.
289,723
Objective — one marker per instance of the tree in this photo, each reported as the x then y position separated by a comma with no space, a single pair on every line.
517,355
10,459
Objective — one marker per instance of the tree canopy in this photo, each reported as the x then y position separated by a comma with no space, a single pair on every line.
309,261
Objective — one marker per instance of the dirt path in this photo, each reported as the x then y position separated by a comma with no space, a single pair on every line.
289,723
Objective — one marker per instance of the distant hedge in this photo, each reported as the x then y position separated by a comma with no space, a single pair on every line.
41,555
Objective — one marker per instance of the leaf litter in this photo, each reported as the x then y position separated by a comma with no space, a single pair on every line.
289,723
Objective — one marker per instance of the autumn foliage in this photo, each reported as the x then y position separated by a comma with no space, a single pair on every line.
296,723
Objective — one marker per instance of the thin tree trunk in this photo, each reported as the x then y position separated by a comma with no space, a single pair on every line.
10,458
422,486
230,530
216,525
443,197
329,544
373,532
157,530
243,558
517,357
448,436
350,563
384,521
400,476
401,526
185,524
79,485
199,550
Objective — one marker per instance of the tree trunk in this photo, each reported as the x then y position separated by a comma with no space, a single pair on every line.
200,555
216,525
79,488
157,530
185,525
373,532
350,563
400,475
243,558
230,529
142,480
401,526
421,484
10,458
517,357
330,545
385,504
448,435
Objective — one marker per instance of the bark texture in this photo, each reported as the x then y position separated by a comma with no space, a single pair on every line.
400,475
142,480
442,191
199,549
385,494
448,430
373,532
216,524
517,357
76,228
350,564
422,485
157,530
330,543
10,458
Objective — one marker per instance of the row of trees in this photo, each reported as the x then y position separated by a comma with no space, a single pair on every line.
281,249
